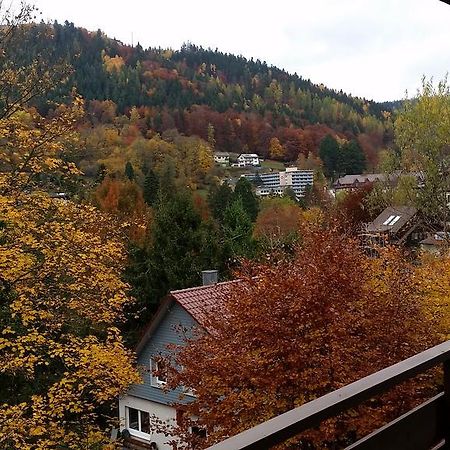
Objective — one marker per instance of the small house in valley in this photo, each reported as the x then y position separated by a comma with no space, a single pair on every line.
222,158
248,159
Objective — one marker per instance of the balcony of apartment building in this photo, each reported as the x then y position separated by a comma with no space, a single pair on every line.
422,428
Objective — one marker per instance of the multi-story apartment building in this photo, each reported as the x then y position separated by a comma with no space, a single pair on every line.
275,183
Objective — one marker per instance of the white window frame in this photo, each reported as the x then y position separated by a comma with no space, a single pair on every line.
387,221
155,381
133,431
394,220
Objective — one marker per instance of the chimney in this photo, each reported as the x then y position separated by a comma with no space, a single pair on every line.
209,277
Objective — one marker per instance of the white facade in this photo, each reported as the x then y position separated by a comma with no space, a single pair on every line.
248,159
163,412
275,183
221,158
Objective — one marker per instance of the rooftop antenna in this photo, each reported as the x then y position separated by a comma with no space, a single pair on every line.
132,39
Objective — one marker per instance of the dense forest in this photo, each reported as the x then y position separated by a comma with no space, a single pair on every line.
246,102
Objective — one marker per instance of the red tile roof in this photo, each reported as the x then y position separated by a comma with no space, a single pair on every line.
199,301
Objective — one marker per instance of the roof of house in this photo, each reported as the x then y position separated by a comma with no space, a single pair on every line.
224,154
249,155
364,178
436,239
197,301
392,219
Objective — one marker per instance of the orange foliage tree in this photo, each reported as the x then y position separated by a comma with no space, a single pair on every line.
301,328
124,199
278,223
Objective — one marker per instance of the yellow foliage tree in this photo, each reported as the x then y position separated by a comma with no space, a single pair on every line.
276,150
61,293
62,296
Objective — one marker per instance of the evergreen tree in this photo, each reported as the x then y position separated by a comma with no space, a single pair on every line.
237,230
351,159
151,188
329,152
101,173
211,136
290,193
244,192
182,246
129,171
219,197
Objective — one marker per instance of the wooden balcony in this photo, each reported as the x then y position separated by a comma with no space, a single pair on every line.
423,428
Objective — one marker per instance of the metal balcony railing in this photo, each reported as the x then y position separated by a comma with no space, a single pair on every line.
423,428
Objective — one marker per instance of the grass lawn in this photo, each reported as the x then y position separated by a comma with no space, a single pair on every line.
270,164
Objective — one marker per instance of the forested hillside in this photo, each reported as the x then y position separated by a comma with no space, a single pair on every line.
242,103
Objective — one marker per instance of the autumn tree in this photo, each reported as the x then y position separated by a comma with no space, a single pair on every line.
422,132
277,224
301,328
276,150
125,201
354,209
63,359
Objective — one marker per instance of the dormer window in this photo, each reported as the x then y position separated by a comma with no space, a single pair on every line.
157,373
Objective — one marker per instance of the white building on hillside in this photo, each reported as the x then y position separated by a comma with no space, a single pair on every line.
222,158
248,159
275,183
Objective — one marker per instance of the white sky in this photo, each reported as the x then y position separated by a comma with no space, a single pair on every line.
376,49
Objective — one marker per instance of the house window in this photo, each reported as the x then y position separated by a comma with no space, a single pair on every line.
198,431
386,222
391,220
160,379
138,420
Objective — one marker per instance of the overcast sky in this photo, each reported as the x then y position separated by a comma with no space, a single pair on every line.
376,49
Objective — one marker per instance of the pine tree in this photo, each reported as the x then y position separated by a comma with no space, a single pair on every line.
219,198
129,171
244,192
351,159
211,136
151,188
329,152
237,230
183,246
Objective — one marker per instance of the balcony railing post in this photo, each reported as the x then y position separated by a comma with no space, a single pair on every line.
446,419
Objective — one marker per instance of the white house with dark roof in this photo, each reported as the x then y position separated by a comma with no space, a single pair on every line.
248,159
222,158
187,308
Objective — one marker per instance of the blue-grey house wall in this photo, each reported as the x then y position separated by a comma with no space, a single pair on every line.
166,333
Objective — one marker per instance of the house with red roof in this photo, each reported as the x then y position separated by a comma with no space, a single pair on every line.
188,309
